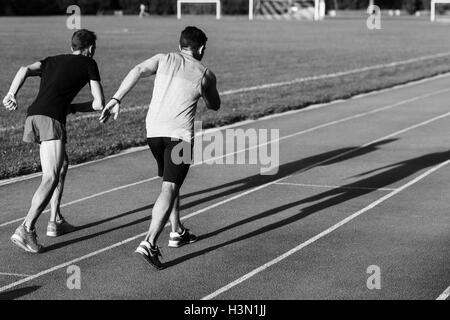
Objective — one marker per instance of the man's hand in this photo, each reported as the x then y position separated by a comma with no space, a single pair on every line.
112,108
10,102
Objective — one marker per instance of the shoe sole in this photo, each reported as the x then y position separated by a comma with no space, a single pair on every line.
54,234
18,242
147,261
175,244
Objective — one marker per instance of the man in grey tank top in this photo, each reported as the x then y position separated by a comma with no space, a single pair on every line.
181,80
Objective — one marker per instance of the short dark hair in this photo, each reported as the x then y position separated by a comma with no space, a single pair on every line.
83,39
193,38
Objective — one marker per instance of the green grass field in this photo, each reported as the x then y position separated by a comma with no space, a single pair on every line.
241,53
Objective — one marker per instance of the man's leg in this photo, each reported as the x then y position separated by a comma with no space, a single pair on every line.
179,236
148,250
55,202
57,225
167,205
177,173
52,158
175,215
161,211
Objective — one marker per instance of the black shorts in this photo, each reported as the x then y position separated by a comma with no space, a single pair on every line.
173,165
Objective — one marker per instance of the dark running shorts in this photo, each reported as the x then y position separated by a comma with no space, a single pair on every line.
171,169
42,128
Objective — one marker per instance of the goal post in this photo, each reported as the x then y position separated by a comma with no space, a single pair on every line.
216,2
433,7
317,7
287,9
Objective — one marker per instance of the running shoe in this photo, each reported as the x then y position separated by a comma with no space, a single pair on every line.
26,240
177,240
59,228
150,255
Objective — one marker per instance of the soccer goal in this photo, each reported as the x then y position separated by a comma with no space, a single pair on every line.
434,3
216,2
288,9
271,9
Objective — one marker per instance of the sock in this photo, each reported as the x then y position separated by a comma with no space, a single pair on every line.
26,228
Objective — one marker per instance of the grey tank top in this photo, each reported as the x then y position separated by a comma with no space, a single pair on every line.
177,89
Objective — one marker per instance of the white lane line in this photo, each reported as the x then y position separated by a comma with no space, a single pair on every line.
143,148
87,198
337,74
14,274
92,254
282,83
329,124
323,233
444,295
242,123
331,187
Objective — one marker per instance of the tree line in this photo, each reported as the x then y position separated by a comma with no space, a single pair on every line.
161,7
167,7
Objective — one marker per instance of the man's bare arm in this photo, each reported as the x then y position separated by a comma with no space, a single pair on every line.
95,105
32,70
210,93
143,70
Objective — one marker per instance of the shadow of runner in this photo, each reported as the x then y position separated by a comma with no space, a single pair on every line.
17,293
241,186
394,173
99,222
251,182
289,169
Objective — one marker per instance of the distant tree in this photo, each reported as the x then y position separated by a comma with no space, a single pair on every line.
163,6
235,6
353,4
89,6
130,6
411,6
166,7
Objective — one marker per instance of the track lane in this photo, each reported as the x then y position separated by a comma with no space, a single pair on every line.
300,142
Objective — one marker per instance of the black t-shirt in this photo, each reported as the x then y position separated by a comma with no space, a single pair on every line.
62,78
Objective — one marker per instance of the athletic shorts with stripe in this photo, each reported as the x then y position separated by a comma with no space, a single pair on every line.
170,166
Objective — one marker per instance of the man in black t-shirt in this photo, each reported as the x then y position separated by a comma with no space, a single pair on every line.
62,78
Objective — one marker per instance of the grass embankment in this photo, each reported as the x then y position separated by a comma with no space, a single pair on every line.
241,53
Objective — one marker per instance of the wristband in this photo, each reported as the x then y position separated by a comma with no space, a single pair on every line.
120,102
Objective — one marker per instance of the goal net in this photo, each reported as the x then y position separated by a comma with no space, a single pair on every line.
216,2
270,9
289,9
439,9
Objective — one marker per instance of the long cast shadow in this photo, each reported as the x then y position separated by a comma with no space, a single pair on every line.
251,182
394,173
289,169
17,293
237,186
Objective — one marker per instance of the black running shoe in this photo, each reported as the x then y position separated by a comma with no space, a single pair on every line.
150,255
177,240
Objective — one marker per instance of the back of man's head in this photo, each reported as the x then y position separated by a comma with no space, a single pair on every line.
83,39
192,38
